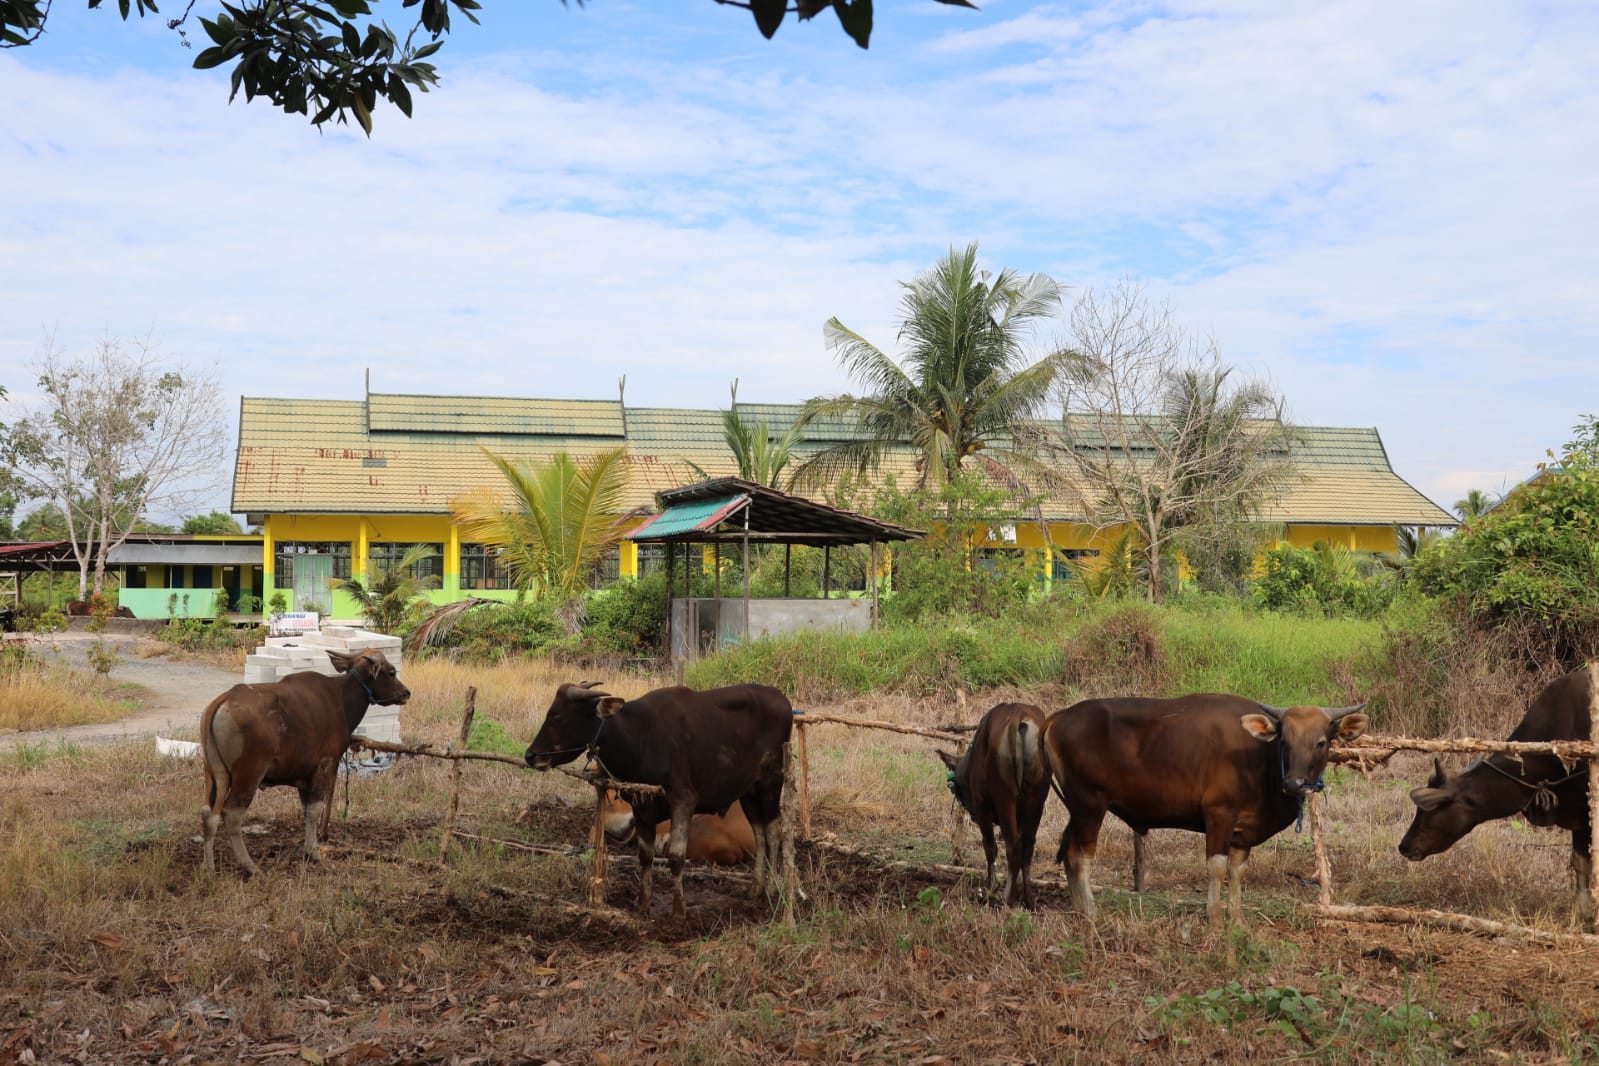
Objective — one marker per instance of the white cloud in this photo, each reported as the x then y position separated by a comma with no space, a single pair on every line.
1389,209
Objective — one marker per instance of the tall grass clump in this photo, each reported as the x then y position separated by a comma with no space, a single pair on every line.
36,693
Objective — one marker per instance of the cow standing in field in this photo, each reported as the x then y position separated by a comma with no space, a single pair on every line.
288,732
1225,766
1003,777
1539,788
707,750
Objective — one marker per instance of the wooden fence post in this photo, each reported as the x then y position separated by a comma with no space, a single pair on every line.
786,840
804,780
1323,866
1593,790
597,843
455,775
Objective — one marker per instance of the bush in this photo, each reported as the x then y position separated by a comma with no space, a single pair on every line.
494,633
1323,579
629,618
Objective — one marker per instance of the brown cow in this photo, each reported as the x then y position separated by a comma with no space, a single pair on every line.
719,839
1225,766
288,732
1003,777
707,750
1539,788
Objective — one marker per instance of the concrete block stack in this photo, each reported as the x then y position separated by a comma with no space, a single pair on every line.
282,656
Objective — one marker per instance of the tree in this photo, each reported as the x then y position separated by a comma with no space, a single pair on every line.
966,386
214,524
1474,505
316,59
1159,435
761,455
115,436
562,517
394,597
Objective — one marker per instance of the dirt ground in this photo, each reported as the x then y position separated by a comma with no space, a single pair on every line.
172,692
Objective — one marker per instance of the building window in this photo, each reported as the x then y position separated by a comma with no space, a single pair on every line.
483,567
338,551
202,576
651,559
385,555
608,569
1059,570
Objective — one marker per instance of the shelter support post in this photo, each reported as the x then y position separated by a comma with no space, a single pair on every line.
827,572
671,649
746,638
788,566
874,584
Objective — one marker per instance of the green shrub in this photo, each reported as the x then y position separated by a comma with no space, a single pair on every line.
494,633
629,618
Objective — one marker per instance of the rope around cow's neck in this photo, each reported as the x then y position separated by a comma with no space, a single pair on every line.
1543,793
592,748
1299,797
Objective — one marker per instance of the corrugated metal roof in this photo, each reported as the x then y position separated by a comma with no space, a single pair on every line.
684,518
317,456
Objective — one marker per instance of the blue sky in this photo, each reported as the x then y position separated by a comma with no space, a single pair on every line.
1387,210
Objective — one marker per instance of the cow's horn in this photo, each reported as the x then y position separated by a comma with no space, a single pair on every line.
587,684
1275,712
1336,713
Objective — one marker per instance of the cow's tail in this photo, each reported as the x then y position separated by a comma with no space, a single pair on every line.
215,766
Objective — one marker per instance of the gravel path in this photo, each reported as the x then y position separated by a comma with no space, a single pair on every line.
176,693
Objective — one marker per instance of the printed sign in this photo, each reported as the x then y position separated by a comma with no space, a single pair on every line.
292,623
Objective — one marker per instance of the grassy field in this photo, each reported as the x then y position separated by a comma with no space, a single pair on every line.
117,947
37,691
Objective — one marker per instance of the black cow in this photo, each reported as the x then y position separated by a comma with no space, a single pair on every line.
1003,777
707,750
1539,788
1225,766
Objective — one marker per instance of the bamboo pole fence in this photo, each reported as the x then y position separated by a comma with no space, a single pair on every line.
1364,753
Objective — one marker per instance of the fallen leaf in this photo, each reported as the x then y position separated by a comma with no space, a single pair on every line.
310,1056
110,940
377,985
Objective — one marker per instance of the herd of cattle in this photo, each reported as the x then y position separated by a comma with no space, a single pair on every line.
1225,766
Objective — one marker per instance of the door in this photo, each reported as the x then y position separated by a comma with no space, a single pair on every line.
313,582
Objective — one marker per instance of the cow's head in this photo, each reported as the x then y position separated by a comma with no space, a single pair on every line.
571,724
1307,734
376,674
1444,813
960,776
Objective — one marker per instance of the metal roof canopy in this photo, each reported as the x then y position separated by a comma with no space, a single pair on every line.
732,510
724,509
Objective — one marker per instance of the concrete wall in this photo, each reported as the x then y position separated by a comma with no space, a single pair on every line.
767,618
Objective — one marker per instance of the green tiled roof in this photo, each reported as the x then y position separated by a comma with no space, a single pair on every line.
687,518
475,415
413,454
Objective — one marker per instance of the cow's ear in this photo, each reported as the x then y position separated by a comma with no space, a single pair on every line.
1351,726
949,760
1260,726
606,706
341,661
1429,799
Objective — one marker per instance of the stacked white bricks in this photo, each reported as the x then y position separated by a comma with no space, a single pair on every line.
282,656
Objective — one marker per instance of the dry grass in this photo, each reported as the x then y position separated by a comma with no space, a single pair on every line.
36,693
116,946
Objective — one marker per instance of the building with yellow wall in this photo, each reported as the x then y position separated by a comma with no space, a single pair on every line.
339,487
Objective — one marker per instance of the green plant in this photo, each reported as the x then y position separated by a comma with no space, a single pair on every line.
249,603
487,734
395,597
279,603
221,604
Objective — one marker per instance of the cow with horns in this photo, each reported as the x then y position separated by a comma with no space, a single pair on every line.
706,750
1540,788
1225,766
288,732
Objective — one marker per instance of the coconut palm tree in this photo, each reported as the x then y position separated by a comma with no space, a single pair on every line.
761,455
562,516
1474,505
390,599
963,385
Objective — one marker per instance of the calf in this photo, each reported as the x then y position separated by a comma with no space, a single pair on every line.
707,750
1003,777
719,839
1539,788
288,732
1225,766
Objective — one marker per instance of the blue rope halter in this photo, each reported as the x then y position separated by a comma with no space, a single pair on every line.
1299,797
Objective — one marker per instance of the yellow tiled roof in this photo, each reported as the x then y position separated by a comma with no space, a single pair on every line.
398,454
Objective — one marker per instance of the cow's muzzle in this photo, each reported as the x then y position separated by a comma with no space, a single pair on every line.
538,762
